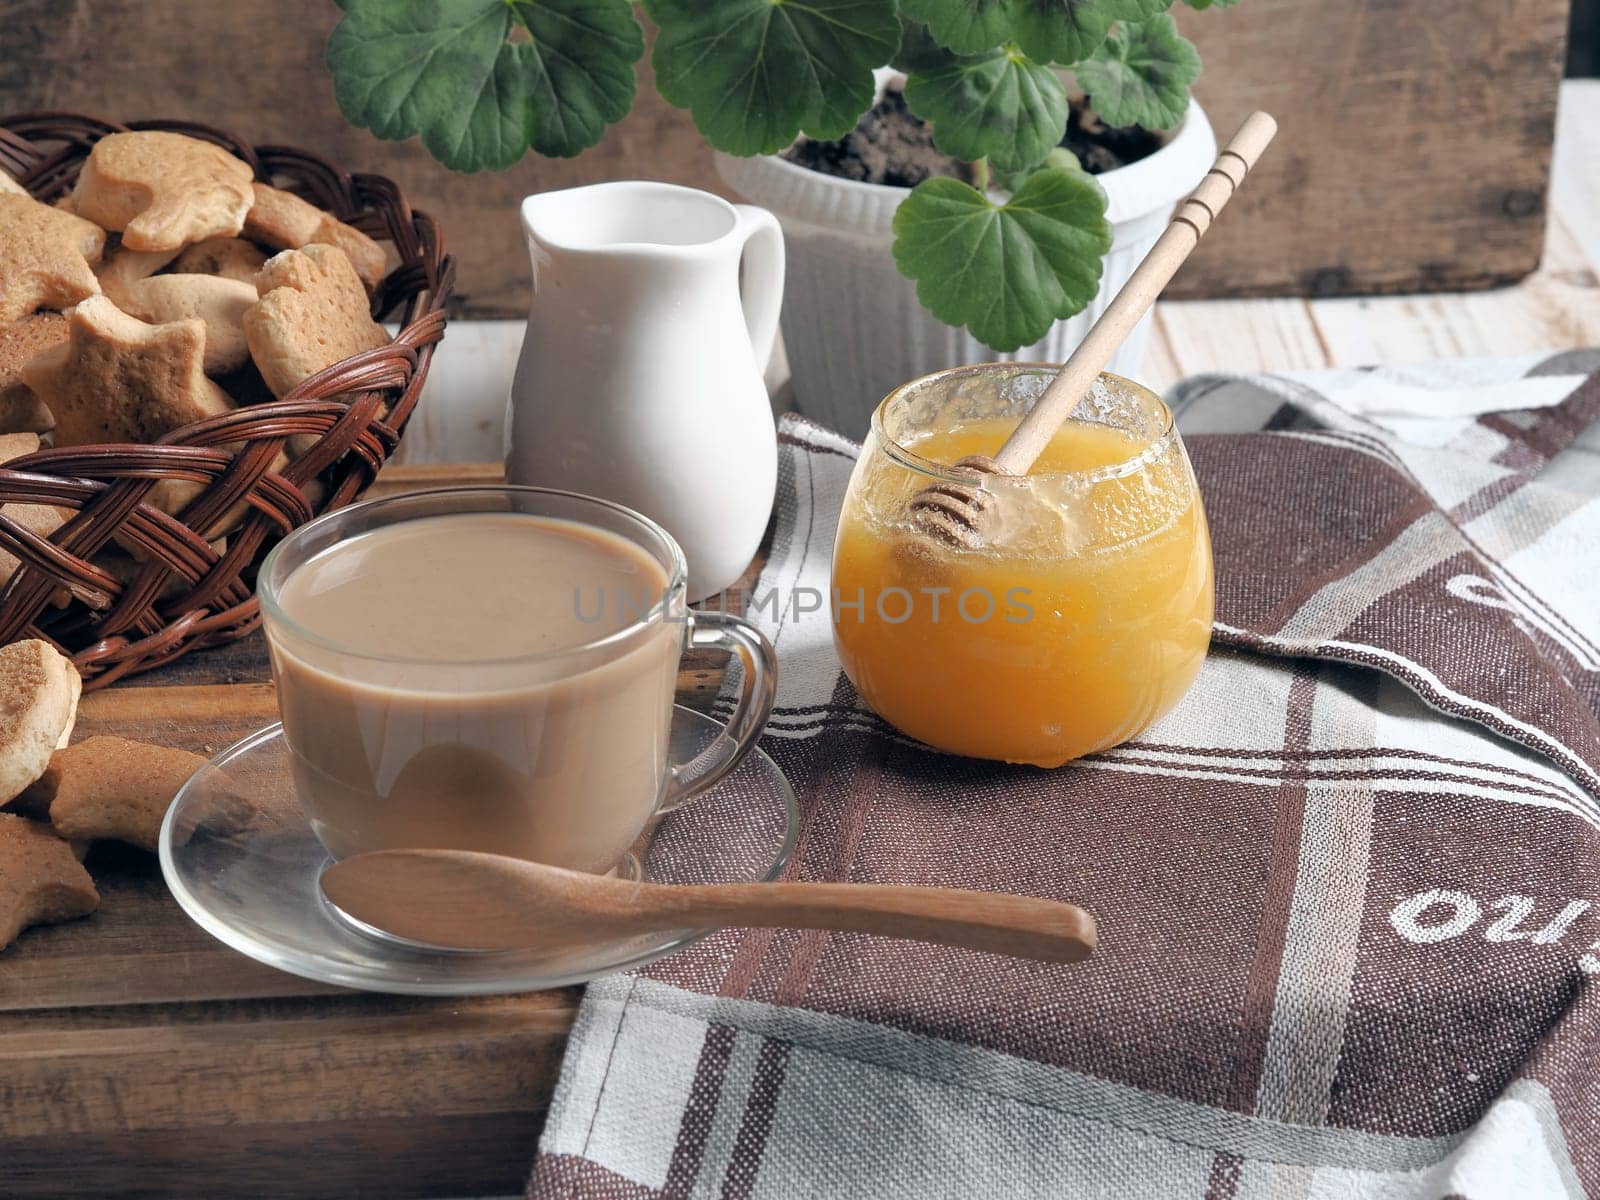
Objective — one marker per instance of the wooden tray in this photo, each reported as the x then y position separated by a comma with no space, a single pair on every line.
141,1058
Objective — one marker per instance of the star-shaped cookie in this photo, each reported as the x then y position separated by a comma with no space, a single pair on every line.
162,190
284,220
20,343
41,881
110,788
120,380
45,257
313,312
220,303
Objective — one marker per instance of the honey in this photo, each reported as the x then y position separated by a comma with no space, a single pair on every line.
1082,615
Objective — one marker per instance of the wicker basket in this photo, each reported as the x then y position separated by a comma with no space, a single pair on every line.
185,594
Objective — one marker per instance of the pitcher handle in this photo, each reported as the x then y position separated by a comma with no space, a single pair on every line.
757,688
763,277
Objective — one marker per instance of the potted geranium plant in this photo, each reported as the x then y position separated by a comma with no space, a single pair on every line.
1006,237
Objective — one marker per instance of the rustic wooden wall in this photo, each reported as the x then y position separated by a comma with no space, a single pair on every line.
1414,151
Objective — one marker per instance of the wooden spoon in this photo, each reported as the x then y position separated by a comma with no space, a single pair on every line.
462,899
953,512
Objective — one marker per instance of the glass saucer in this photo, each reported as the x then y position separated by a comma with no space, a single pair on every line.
248,873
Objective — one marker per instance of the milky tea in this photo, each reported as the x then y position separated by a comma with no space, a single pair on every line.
478,681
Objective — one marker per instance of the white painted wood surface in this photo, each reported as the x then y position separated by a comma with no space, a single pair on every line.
462,414
1575,178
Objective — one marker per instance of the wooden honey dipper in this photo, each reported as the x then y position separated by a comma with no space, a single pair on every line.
953,512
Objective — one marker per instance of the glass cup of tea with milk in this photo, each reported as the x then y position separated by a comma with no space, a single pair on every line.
493,669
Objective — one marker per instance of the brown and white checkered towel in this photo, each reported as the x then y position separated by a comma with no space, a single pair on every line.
1348,891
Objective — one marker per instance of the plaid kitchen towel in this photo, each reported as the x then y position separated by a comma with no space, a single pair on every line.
1346,890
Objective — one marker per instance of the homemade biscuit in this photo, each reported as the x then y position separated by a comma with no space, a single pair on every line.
39,519
41,880
39,689
20,343
10,187
312,313
120,380
123,268
163,191
219,302
15,445
231,258
113,788
45,257
282,219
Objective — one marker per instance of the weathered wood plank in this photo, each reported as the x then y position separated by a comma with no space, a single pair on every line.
461,416
484,1154
139,948
193,1066
1160,369
1543,313
1556,308
1575,171
399,478
341,1095
1240,336
1414,147
1564,259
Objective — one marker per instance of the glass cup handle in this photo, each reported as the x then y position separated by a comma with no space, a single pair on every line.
723,631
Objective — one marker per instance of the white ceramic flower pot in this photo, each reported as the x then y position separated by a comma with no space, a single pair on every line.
851,322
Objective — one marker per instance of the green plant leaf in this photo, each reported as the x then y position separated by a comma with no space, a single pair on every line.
918,50
754,73
1061,31
965,26
1002,106
579,62
1004,271
1058,159
1142,75
1141,10
447,71
1202,5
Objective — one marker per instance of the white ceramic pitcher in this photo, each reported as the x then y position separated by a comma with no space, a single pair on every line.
640,379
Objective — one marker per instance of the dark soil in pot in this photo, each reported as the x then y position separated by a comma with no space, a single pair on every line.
893,146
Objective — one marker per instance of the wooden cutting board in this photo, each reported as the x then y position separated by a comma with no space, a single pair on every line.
141,1058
